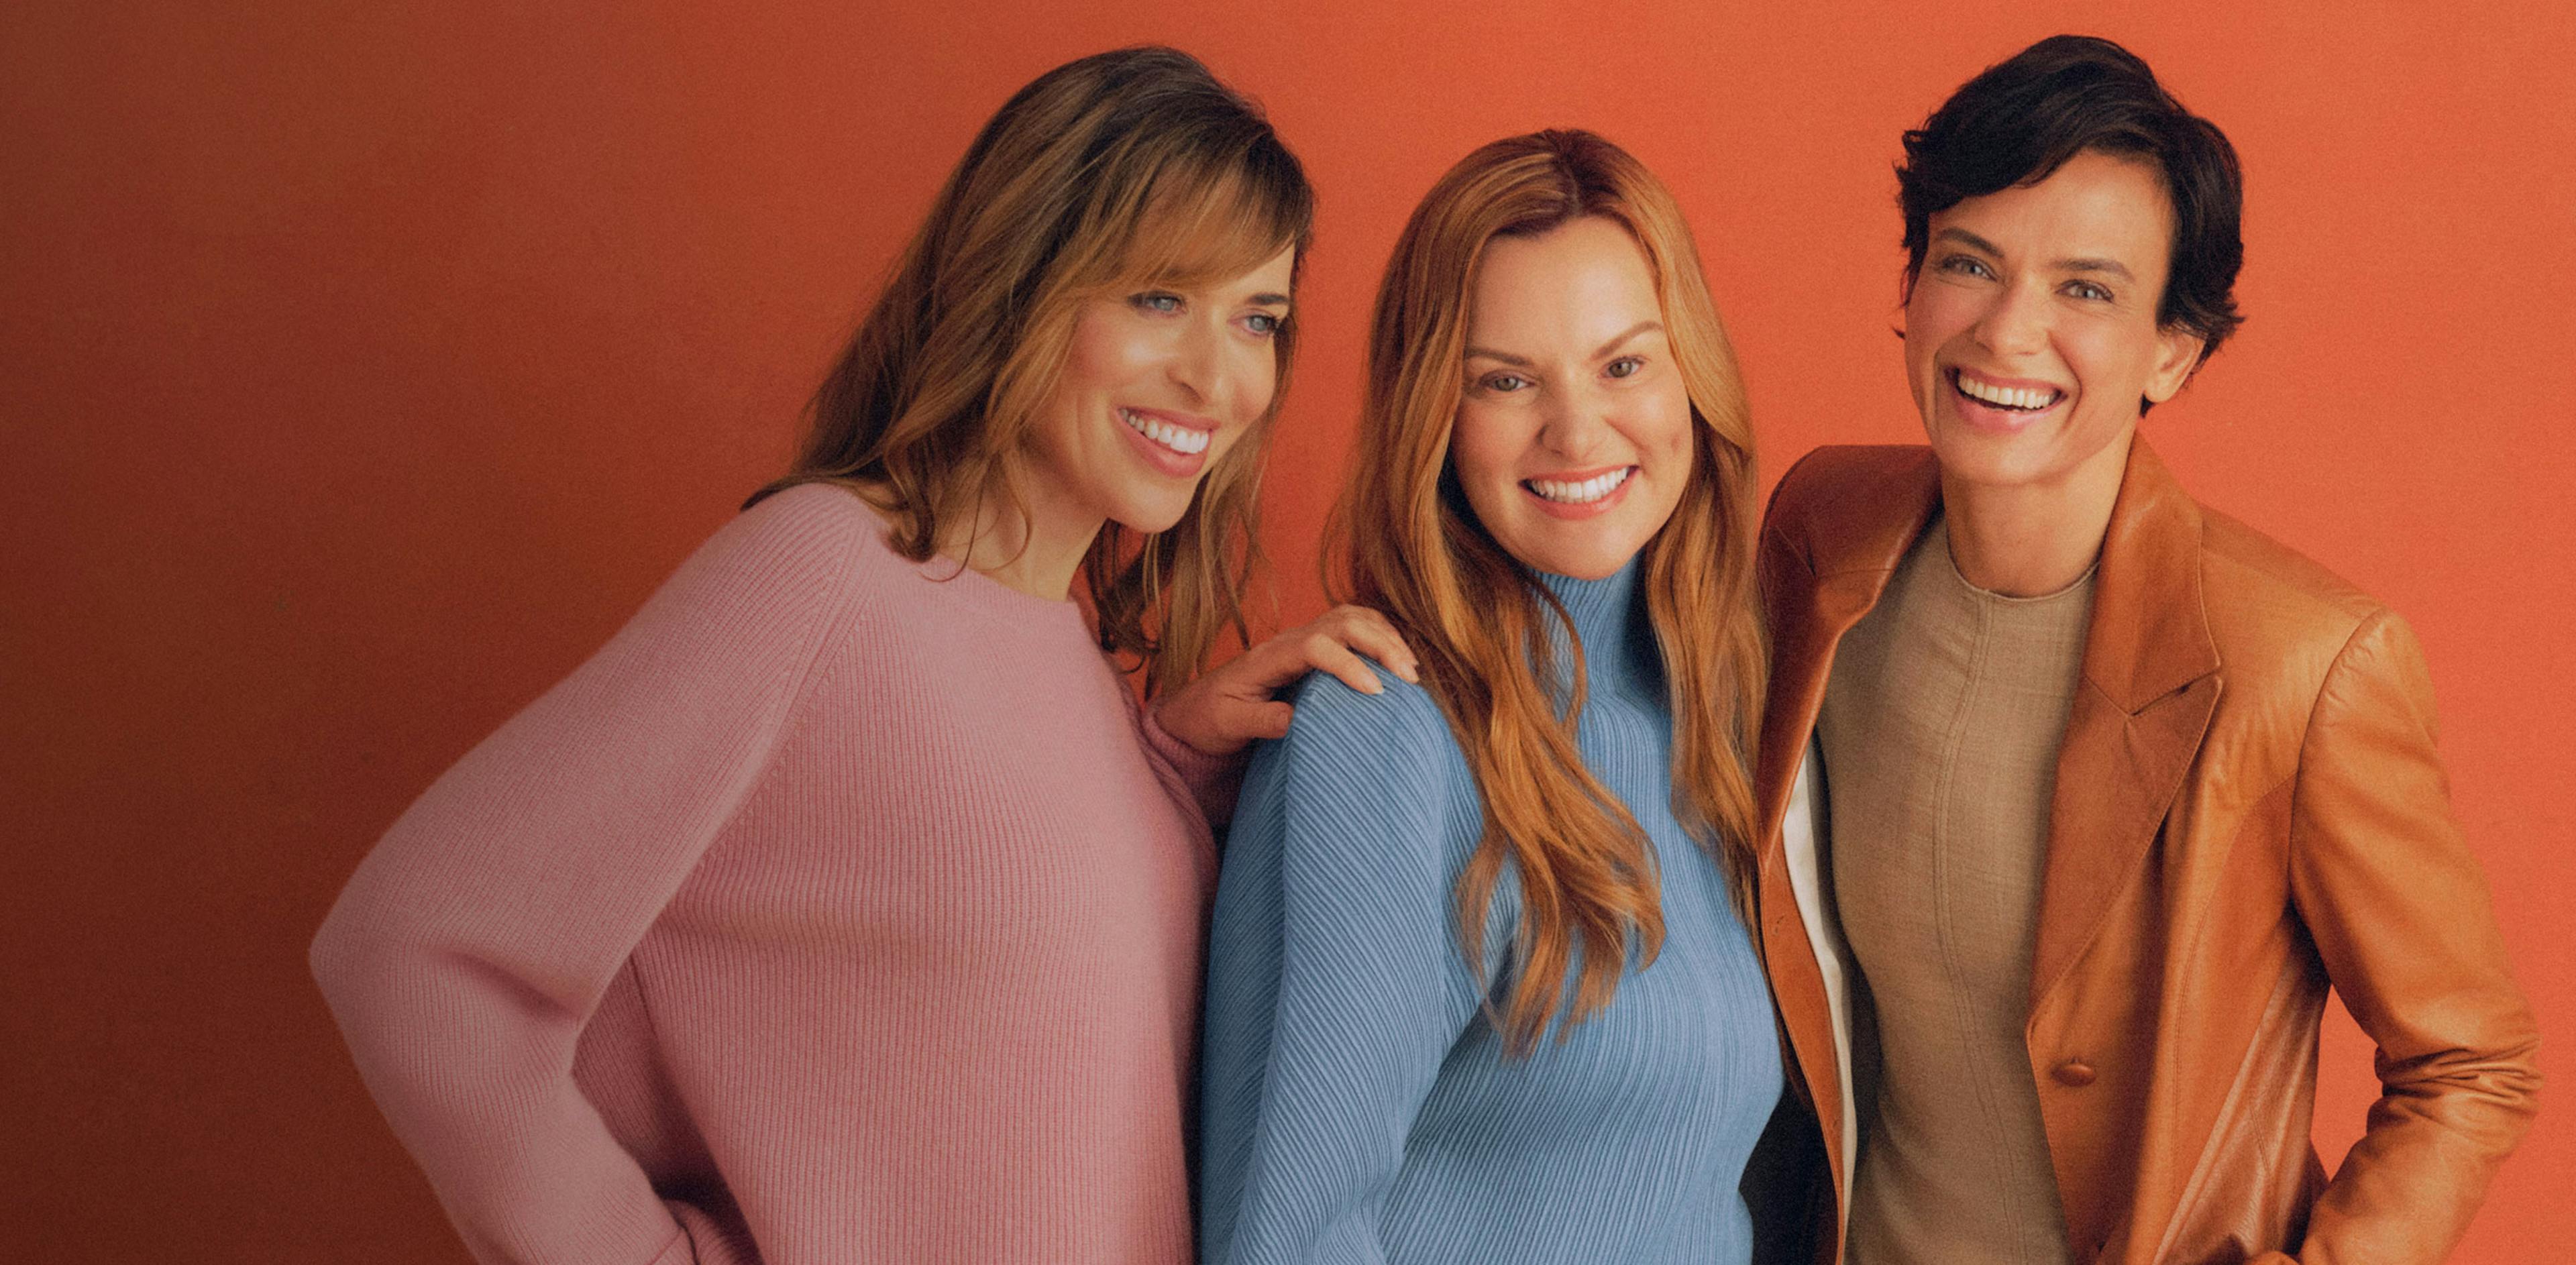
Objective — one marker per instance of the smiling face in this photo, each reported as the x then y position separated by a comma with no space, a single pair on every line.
1573,440
1158,384
2031,334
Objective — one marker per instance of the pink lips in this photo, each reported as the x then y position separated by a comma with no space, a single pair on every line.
1178,465
1587,509
1988,417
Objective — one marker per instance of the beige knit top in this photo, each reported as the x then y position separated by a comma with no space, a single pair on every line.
1941,725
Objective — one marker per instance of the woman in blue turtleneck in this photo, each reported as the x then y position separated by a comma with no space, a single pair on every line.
1479,988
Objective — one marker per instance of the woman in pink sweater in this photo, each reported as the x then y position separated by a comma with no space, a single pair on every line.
846,907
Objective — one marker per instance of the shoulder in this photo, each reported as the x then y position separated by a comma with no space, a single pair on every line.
1850,500
1399,735
1362,785
813,535
2275,613
1388,754
2299,645
789,564
1838,476
2247,564
811,525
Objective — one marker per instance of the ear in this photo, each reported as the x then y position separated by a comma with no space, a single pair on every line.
2177,354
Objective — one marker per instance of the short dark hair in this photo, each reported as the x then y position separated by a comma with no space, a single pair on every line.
2022,118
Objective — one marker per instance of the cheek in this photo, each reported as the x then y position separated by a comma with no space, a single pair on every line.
1228,437
2107,363
1257,369
1669,428
1101,355
1931,321
1258,375
1484,448
1934,315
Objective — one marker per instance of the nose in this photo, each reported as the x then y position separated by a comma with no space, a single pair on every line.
2016,323
1574,423
1199,362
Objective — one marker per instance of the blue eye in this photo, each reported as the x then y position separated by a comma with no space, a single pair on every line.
1263,323
1162,302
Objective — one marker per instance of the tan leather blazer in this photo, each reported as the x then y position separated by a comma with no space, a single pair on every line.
2248,808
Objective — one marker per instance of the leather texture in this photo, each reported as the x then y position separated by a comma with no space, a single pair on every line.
2249,808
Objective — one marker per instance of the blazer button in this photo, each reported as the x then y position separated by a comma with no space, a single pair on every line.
2073,1073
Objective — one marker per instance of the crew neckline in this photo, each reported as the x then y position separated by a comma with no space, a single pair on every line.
1938,538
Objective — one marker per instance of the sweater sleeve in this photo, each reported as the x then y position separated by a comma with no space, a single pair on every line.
2400,916
1336,988
1210,781
474,943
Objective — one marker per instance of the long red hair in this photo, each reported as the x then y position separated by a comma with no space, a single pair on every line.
1480,619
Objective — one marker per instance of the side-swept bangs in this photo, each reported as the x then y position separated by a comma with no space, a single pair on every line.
1207,219
1126,168
1198,217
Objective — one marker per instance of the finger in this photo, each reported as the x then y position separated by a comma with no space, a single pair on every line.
1239,721
1196,716
1329,655
1374,635
1259,672
1270,720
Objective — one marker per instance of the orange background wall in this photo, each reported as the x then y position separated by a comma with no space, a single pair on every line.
362,367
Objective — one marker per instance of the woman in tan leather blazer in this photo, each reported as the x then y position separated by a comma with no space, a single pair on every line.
2244,809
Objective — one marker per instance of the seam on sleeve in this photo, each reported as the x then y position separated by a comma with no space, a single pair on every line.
2308,729
829,625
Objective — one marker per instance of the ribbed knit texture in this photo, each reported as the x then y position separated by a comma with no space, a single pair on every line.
1356,1105
836,911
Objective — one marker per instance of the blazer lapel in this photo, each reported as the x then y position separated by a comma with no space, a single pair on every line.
2150,683
1815,589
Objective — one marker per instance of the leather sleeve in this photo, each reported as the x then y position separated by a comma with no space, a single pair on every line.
2401,918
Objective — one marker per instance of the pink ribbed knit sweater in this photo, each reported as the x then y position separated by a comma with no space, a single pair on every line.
836,911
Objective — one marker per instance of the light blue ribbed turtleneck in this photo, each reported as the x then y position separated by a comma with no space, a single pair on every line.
1356,1105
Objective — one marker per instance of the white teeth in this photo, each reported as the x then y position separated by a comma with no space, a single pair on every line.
2004,397
1180,439
1592,489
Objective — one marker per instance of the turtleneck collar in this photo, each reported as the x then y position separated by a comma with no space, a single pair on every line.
1609,614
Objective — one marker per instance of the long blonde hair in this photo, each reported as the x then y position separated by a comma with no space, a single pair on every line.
1120,169
1479,619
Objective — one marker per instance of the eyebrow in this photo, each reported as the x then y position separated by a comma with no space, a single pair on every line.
1641,327
2111,266
1970,240
1269,300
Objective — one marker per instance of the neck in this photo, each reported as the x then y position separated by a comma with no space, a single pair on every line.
1618,638
1034,545
2033,539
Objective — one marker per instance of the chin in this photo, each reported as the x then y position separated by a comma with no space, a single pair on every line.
1984,458
1976,463
1159,514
